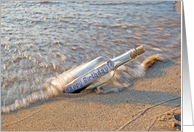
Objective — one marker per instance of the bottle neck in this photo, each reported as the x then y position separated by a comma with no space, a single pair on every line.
124,58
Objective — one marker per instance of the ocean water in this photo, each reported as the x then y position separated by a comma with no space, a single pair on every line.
40,40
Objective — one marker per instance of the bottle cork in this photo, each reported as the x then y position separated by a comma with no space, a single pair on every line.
139,50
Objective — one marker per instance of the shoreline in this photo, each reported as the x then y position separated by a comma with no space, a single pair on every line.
132,109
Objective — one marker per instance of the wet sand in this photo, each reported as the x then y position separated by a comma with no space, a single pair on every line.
151,103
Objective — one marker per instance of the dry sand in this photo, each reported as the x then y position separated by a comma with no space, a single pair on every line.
178,6
140,107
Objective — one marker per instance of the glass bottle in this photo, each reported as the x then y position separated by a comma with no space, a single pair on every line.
94,73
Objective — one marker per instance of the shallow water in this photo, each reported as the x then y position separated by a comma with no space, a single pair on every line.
42,40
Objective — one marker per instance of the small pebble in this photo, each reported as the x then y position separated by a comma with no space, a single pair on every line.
173,124
167,113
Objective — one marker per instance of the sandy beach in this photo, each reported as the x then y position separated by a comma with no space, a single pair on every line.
152,103
178,6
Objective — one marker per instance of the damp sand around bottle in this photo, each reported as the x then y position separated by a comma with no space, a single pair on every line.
41,40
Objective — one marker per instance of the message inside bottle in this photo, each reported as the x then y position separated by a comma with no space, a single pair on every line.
90,77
